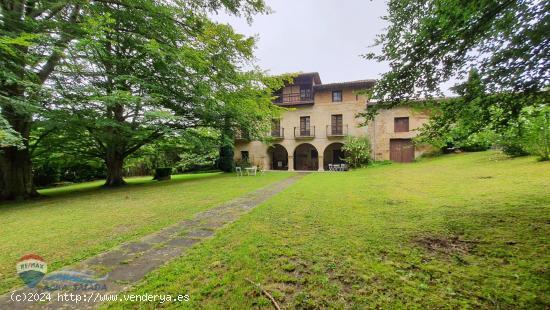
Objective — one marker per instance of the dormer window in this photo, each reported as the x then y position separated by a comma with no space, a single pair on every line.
305,93
336,96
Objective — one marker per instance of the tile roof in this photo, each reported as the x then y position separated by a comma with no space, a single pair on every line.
350,84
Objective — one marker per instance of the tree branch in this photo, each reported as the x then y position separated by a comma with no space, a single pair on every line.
156,134
61,44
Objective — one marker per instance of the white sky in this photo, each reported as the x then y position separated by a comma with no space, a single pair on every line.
325,36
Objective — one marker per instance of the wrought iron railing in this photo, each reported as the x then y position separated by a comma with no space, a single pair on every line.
304,132
278,133
336,131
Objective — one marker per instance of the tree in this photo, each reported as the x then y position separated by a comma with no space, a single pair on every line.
144,69
431,41
8,136
33,36
357,151
247,111
537,133
460,122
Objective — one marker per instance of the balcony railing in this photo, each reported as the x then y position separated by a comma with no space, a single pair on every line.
304,133
278,133
337,131
294,98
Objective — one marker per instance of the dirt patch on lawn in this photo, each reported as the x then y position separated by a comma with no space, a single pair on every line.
445,244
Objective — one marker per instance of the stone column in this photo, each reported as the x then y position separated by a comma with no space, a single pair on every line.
321,163
290,163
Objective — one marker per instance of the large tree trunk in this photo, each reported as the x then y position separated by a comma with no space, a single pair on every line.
226,162
114,161
15,164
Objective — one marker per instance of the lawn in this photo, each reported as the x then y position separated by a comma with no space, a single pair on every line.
465,230
74,222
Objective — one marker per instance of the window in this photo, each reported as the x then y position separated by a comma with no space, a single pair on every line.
304,126
276,128
244,155
305,93
337,96
401,124
336,124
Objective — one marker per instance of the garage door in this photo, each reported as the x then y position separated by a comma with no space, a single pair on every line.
401,150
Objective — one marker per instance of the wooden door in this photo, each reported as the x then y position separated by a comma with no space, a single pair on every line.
304,126
401,150
337,124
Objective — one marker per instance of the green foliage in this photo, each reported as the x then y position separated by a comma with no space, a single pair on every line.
475,120
146,71
357,151
429,42
8,136
529,135
61,168
184,150
537,131
130,72
162,174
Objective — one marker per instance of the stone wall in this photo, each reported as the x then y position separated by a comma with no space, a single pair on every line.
380,131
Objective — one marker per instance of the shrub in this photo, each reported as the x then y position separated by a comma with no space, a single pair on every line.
476,142
530,134
162,174
357,151
536,139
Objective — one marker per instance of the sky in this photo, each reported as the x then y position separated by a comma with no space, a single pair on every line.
325,36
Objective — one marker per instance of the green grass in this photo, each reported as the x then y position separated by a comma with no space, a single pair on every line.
459,231
77,221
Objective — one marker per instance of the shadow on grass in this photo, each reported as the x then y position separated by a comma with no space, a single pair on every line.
95,187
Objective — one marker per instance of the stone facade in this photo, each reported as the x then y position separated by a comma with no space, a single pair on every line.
381,131
313,129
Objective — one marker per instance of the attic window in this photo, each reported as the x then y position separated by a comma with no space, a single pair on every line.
336,96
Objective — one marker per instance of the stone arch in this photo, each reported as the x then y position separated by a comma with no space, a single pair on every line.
306,157
333,154
278,157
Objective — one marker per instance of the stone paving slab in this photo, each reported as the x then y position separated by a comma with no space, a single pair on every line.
118,269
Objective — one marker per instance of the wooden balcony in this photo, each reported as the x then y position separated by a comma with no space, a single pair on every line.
290,99
336,131
302,133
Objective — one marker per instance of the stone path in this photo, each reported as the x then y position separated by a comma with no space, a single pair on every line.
120,268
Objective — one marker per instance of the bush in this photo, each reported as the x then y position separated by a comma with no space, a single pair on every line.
476,142
357,151
162,174
536,138
530,134
66,169
513,148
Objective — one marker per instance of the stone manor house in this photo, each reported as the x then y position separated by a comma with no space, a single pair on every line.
310,136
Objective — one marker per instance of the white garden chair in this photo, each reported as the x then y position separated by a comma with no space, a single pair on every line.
251,170
239,171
